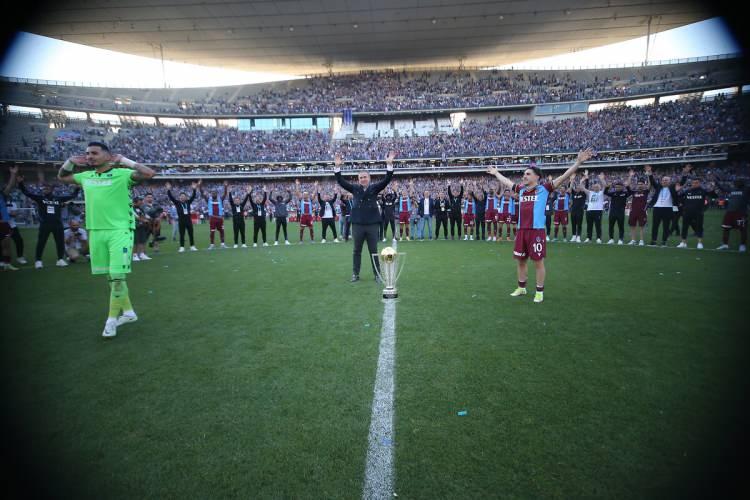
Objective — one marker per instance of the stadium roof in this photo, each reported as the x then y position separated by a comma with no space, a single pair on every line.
311,36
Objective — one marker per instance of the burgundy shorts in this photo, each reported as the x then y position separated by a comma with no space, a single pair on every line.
490,216
4,230
215,223
403,217
514,218
468,219
734,220
504,217
305,220
530,243
637,219
561,217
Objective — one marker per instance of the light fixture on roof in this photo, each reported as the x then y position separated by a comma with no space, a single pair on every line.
567,12
355,26
291,28
500,17
434,21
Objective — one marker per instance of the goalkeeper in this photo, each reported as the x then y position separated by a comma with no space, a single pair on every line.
109,220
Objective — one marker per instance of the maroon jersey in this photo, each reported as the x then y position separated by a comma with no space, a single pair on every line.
638,204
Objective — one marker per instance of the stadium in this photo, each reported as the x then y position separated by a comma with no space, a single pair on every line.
330,272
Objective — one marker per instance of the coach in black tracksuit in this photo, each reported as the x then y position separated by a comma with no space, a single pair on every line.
365,217
442,212
618,198
577,207
388,207
238,217
694,201
455,215
49,207
184,222
259,217
280,213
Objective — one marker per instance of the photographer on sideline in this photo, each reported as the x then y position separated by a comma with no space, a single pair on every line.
76,241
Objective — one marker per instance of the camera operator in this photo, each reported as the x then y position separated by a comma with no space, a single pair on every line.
76,241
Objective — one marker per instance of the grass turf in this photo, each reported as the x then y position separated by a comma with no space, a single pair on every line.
250,372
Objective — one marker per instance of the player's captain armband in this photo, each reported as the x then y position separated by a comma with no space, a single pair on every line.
68,166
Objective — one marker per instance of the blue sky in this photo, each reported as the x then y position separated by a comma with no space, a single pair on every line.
37,57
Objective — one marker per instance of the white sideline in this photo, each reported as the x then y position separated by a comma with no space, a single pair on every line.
379,468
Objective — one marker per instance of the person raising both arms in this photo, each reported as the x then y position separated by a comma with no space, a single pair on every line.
237,206
531,237
365,217
215,204
182,208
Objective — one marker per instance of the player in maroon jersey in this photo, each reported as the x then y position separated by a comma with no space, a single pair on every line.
638,215
404,202
531,237
561,207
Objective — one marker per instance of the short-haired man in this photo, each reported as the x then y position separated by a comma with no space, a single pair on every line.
109,220
532,201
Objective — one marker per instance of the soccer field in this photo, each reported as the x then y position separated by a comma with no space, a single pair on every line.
250,372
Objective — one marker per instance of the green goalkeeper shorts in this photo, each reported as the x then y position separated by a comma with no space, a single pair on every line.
111,250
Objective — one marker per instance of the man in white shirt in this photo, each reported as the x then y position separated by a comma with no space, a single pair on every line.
595,207
76,241
664,203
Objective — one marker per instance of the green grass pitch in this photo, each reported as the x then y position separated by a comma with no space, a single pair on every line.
250,372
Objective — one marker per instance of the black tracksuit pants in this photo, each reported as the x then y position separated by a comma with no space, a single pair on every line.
456,222
238,225
56,229
662,215
694,220
281,223
15,235
185,224
362,233
388,221
619,220
329,223
438,221
480,226
259,224
593,220
576,219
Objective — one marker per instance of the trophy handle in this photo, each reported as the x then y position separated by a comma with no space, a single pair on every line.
374,256
402,259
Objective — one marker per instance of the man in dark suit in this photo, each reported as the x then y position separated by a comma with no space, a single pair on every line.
365,217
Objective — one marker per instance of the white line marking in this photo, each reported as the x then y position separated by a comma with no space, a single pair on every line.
379,473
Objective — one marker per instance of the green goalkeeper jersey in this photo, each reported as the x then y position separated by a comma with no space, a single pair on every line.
107,196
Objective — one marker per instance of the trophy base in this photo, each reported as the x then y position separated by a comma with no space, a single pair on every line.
390,294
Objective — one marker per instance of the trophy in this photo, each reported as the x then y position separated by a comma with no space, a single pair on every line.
391,265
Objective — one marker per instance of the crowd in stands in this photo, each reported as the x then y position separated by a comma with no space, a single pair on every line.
678,123
396,91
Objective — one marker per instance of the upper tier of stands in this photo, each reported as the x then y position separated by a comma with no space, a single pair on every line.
384,91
